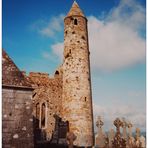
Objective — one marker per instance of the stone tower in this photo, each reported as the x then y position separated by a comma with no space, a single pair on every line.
77,98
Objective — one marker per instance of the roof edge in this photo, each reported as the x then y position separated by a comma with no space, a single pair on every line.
17,87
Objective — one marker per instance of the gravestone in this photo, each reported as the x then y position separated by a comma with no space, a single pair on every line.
142,141
61,129
54,139
137,138
131,140
111,136
71,137
100,140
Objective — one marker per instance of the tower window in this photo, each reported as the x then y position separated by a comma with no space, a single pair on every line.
83,37
75,22
57,72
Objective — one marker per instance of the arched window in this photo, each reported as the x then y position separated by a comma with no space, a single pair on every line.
75,22
37,115
43,114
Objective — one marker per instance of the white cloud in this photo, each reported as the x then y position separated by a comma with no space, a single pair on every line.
116,43
56,54
49,56
49,28
46,55
57,49
129,12
53,26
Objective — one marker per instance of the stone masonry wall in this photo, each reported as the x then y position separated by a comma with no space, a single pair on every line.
77,99
47,91
17,120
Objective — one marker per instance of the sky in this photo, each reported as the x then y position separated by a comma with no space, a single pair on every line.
32,35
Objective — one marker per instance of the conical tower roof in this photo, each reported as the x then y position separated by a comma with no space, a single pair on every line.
75,10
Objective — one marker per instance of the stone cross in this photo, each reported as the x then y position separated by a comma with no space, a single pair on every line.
137,138
100,139
137,133
118,124
130,125
71,137
99,124
124,125
118,141
131,139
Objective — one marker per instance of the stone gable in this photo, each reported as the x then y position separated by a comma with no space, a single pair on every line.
11,75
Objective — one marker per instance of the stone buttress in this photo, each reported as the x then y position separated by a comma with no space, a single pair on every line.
77,98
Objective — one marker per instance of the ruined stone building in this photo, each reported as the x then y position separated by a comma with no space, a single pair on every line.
33,104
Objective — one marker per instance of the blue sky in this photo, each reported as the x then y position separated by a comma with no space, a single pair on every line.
33,37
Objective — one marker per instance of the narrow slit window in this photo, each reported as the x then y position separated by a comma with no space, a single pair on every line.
34,95
43,115
83,37
75,22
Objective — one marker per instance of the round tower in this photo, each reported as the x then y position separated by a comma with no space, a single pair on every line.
77,98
